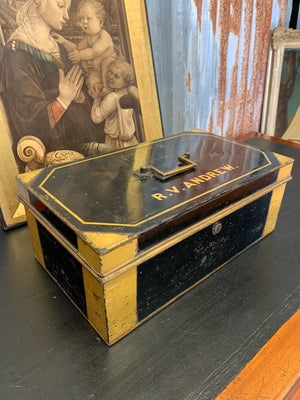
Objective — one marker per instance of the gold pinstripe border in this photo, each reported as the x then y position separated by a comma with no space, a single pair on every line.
41,186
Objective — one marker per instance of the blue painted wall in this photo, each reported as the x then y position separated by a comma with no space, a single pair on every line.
210,70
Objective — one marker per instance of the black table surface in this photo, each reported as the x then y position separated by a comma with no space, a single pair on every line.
190,350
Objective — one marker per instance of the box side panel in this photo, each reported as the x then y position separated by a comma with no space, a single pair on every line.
63,268
110,308
96,312
277,195
35,238
120,298
54,222
178,268
204,211
274,208
89,253
119,256
106,251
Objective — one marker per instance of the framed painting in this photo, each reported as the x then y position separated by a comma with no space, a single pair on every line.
282,88
76,80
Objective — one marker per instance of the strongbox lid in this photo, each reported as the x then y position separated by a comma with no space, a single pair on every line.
155,188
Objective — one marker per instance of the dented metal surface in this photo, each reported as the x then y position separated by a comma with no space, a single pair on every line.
210,61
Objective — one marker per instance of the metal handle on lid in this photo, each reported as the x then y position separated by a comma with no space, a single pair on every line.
182,168
188,164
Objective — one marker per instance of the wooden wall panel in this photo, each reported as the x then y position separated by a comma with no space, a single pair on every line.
210,60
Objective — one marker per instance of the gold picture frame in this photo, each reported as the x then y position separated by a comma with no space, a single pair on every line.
281,75
134,41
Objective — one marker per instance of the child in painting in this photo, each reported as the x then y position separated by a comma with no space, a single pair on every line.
119,124
96,49
40,91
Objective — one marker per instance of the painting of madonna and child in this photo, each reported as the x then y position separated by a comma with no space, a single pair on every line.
67,80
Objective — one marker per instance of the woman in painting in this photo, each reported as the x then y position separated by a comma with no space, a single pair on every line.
42,93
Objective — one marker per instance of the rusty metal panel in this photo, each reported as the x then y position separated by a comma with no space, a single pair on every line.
210,60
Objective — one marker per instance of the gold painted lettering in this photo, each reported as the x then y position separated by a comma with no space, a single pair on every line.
218,171
228,167
189,184
197,180
159,196
212,174
173,190
205,177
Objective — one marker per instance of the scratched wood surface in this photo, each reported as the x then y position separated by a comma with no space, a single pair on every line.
294,393
273,371
210,61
